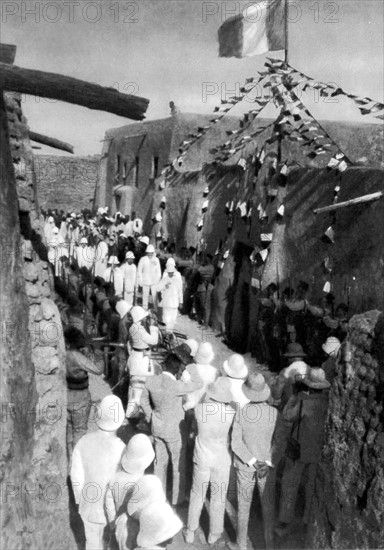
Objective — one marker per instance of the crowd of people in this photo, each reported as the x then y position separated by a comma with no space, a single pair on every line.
119,297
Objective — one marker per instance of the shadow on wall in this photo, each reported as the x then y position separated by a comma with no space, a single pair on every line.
30,234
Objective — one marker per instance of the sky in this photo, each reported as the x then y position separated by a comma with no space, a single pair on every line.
167,50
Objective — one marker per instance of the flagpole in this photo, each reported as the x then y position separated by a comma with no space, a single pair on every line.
286,31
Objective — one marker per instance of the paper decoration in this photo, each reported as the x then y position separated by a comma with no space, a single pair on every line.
266,237
263,214
230,206
330,234
243,209
263,254
333,163
327,287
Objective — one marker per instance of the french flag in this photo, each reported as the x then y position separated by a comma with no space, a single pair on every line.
256,31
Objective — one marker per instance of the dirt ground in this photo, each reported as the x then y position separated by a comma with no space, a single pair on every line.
99,388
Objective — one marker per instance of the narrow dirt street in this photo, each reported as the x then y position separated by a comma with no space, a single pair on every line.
99,388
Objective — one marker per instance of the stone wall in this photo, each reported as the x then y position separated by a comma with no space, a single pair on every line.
348,509
33,389
66,183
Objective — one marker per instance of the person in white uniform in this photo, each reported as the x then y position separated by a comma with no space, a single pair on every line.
171,288
113,274
84,254
149,275
95,460
101,255
139,363
129,271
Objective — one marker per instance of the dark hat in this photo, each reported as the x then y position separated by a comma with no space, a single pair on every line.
183,352
294,349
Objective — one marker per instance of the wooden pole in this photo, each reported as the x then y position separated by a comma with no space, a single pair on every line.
286,31
358,200
51,142
71,90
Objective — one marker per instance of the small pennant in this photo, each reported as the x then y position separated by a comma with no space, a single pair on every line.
327,287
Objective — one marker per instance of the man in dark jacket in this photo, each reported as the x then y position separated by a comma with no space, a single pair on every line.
307,410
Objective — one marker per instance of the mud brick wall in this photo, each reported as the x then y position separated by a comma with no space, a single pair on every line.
66,183
348,509
33,464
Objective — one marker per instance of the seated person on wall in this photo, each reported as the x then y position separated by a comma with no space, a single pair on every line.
75,312
78,397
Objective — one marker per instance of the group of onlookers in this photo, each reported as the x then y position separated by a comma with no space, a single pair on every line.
290,316
196,413
221,416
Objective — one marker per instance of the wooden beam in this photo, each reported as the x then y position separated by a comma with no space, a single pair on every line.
71,90
351,202
51,142
7,53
